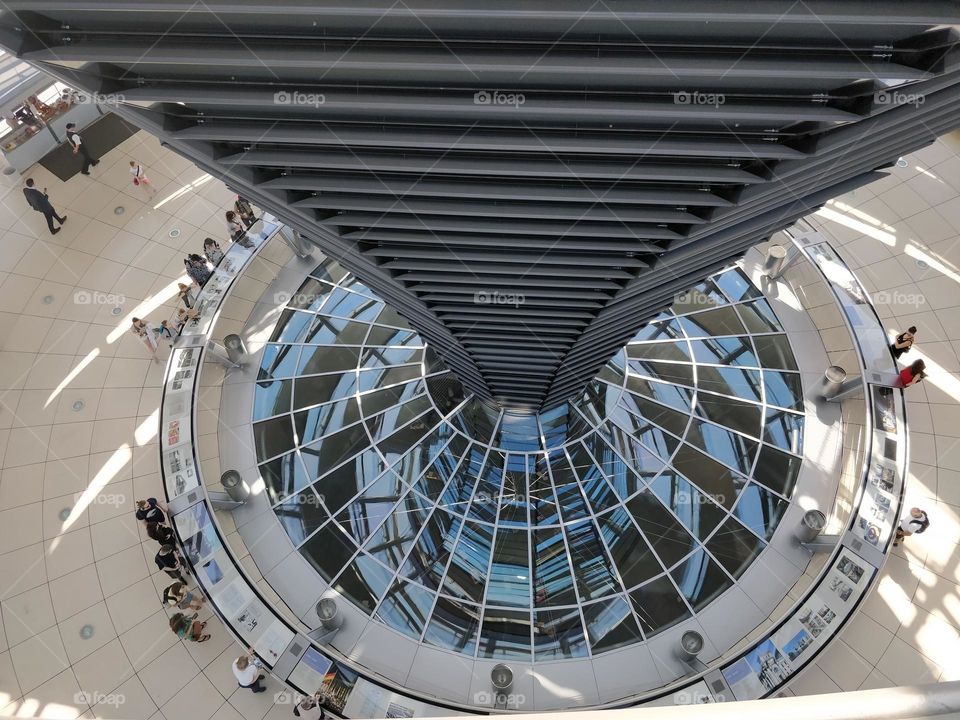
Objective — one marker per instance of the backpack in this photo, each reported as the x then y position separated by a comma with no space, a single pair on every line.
924,524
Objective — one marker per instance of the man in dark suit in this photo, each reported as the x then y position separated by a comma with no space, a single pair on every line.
41,203
80,147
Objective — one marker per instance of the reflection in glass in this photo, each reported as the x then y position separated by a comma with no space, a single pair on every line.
658,606
592,569
700,579
610,624
509,582
558,634
405,608
453,626
505,634
734,547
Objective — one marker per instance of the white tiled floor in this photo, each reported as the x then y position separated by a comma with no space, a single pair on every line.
98,571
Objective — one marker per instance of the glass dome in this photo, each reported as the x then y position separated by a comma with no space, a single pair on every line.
534,536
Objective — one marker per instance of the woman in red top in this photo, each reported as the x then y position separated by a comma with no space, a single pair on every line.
913,374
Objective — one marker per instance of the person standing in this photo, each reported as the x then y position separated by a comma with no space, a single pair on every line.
178,594
211,248
234,228
140,178
40,202
188,627
168,560
903,342
913,374
151,510
914,522
79,147
147,334
244,209
310,708
246,669
186,294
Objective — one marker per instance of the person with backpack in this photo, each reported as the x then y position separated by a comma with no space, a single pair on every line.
234,228
178,594
211,248
903,342
244,209
188,627
914,522
160,533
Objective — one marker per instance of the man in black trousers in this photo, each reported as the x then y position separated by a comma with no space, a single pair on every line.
41,203
80,147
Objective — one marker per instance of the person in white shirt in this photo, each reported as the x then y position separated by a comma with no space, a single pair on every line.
914,522
211,248
147,334
140,178
310,708
246,669
73,137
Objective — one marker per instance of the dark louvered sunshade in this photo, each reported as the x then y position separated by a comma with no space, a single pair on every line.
526,182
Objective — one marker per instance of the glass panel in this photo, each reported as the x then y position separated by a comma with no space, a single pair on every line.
720,321
610,624
622,476
591,568
698,513
486,498
701,296
513,496
388,336
555,424
668,372
325,419
506,633
334,449
729,448
662,327
775,352
301,515
453,626
777,470
543,502
652,437
459,491
284,475
389,316
558,634
278,361
658,606
676,351
378,357
552,581
785,430
760,510
700,580
384,376
735,382
292,326
310,296
759,317
316,360
364,581
364,514
410,435
630,552
434,480
429,555
783,389
509,583
392,540
414,462
333,331
323,388
467,574
669,539
734,547
340,485
329,551
405,608
670,420
271,398
677,397
736,285
715,480
386,423
379,400
735,414
330,271
569,497
273,437
598,492
351,305
725,351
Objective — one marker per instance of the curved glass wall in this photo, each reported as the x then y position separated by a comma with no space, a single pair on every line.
498,534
